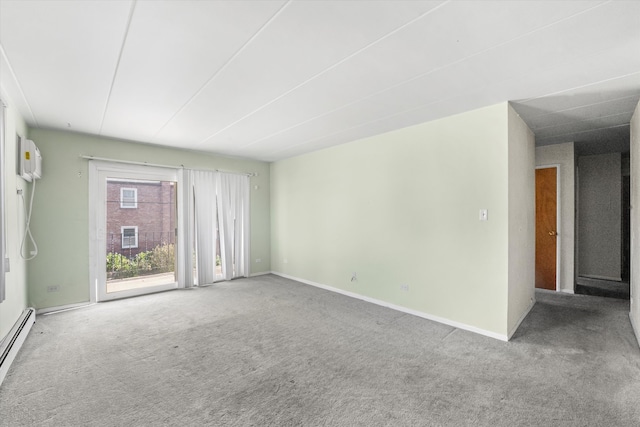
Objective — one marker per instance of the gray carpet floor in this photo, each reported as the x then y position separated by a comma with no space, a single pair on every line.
270,351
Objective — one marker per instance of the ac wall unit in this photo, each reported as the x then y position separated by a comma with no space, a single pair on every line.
30,165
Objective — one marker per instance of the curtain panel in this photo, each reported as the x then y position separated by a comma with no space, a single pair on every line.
233,216
221,219
204,188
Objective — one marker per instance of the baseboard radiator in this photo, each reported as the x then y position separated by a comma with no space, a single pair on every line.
11,345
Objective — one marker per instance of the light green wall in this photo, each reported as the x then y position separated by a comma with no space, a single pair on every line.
522,221
402,208
635,221
16,279
563,155
60,217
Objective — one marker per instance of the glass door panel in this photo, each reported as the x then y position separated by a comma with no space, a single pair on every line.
133,225
140,234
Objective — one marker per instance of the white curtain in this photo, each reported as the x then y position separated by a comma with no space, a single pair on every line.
204,190
185,229
233,218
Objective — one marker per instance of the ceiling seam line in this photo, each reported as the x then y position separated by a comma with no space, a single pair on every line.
219,70
581,87
587,131
402,112
367,123
15,79
581,106
357,52
117,67
587,120
419,76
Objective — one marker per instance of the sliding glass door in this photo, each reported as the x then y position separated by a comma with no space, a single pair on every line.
150,226
135,223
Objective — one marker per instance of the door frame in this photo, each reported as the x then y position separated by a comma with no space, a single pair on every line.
97,217
559,231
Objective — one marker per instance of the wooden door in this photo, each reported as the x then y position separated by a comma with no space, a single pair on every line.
546,227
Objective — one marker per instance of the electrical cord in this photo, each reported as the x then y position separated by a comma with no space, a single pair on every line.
27,228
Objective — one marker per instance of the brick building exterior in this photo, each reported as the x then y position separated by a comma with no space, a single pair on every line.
140,215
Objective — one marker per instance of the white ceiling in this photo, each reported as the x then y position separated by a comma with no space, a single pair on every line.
273,79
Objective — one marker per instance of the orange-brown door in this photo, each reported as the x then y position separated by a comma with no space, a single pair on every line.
546,227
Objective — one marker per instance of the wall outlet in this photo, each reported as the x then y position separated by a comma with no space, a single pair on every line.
354,277
484,215
286,261
55,288
7,265
258,260
404,288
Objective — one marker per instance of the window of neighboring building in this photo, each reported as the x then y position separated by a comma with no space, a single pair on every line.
128,197
129,237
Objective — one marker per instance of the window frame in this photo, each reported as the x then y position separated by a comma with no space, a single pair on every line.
135,236
127,204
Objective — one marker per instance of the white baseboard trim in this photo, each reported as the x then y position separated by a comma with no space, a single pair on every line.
636,330
559,291
60,308
525,314
427,316
567,291
595,276
11,344
262,273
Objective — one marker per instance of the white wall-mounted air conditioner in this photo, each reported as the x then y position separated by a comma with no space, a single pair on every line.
30,166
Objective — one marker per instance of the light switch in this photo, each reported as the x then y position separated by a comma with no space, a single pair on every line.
484,215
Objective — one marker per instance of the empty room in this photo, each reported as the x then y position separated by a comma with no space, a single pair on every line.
319,212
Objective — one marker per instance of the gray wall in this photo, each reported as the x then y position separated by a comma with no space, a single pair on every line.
600,216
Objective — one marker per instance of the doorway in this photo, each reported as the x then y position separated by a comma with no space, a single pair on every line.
546,264
603,231
626,228
133,227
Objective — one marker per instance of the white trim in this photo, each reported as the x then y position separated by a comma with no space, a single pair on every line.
99,172
4,260
126,204
61,308
11,344
247,216
549,291
262,273
595,276
559,231
135,236
636,331
521,319
94,182
438,319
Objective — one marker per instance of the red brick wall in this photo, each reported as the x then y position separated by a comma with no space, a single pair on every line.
155,215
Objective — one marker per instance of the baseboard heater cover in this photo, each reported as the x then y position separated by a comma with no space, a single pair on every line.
17,335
